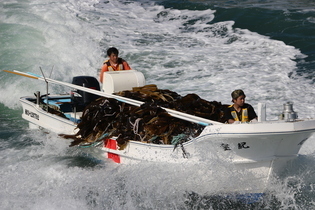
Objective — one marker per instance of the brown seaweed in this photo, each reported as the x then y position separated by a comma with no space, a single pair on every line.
107,117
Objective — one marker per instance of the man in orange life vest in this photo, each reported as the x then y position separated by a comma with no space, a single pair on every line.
114,63
240,111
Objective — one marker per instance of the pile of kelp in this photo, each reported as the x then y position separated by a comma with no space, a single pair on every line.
107,117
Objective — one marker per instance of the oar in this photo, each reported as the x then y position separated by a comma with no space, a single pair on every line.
174,113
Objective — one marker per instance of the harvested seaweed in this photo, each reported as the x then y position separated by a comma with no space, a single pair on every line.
107,117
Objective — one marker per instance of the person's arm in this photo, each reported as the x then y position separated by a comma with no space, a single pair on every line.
126,65
231,121
104,68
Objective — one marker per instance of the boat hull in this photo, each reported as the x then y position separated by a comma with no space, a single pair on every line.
39,118
260,149
232,142
240,143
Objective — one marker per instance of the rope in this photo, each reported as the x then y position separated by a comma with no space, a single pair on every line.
153,138
178,139
135,128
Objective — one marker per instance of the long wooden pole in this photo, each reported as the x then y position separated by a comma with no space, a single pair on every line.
174,113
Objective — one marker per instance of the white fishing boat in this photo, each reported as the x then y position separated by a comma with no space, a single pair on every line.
261,147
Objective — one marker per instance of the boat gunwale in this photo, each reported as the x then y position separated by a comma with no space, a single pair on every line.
203,135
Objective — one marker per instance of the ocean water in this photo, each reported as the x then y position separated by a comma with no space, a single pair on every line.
266,48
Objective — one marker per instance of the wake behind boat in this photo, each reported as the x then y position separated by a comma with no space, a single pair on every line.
262,147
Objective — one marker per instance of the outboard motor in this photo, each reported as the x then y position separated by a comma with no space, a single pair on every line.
288,114
80,98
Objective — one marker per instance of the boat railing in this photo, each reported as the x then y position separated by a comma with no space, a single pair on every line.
270,111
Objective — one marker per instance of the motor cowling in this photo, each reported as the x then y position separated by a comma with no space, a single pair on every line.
80,98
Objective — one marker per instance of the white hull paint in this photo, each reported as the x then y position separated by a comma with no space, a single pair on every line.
39,118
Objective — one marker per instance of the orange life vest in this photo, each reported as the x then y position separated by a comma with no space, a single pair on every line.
119,66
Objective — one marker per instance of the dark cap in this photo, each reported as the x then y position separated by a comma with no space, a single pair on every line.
237,93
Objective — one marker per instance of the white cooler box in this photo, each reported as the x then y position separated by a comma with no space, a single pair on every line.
115,81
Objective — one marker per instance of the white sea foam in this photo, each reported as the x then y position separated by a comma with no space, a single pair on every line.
47,174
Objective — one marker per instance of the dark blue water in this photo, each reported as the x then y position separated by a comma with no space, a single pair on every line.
289,21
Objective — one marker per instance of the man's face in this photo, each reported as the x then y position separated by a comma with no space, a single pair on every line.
240,100
113,58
